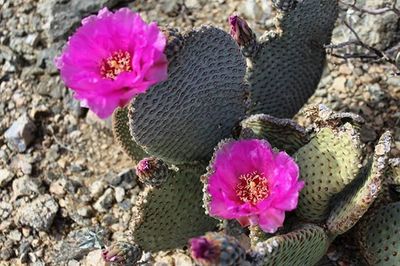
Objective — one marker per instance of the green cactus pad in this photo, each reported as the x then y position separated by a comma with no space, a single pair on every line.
286,68
123,136
182,119
329,162
304,246
283,134
380,236
166,217
359,197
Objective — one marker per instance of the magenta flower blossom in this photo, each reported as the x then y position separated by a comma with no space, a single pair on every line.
252,183
111,58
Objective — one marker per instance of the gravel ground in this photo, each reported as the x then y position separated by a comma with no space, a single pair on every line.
66,173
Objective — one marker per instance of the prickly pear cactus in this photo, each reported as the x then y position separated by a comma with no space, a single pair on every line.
283,134
182,119
285,69
304,246
328,163
359,197
380,236
123,136
166,217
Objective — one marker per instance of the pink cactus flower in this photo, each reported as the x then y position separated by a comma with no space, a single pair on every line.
111,58
252,183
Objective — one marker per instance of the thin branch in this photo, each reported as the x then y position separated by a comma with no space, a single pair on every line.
372,11
371,54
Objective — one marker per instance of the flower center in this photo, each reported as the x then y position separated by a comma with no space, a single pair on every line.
252,187
114,65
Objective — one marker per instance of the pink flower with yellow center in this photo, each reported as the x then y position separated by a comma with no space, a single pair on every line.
252,183
111,58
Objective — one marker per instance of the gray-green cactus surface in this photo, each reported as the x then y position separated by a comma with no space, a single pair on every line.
166,217
287,66
181,119
328,163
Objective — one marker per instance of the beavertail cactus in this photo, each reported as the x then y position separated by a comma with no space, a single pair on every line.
283,134
182,119
234,86
165,217
379,236
303,246
356,200
287,64
328,163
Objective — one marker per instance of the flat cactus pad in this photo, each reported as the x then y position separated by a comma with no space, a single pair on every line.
305,246
283,134
287,67
166,217
329,162
380,236
359,197
182,119
123,136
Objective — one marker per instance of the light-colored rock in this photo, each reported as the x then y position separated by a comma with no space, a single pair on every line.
104,203
21,133
5,177
38,214
94,258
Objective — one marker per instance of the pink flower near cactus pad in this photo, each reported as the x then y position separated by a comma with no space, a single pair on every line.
111,58
252,183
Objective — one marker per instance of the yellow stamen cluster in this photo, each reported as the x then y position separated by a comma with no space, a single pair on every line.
252,187
114,65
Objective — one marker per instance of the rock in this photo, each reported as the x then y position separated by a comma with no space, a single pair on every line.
38,214
5,177
15,235
182,259
5,210
339,84
105,201
251,10
21,133
58,187
119,194
377,94
94,120
25,186
85,211
94,258
192,4
6,250
125,179
170,7
63,17
23,163
97,188
378,31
